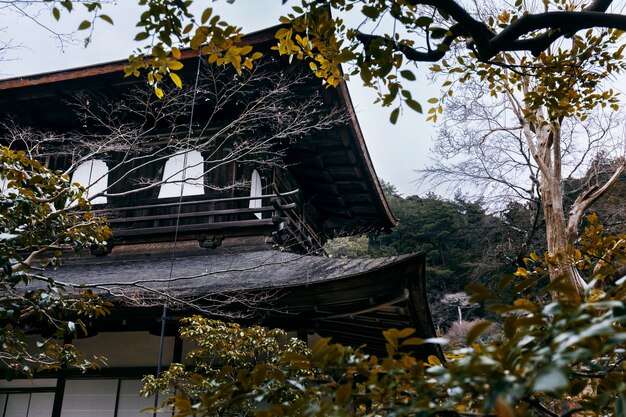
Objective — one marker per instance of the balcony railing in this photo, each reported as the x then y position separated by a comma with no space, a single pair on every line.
278,211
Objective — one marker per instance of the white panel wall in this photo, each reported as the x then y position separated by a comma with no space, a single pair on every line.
193,165
94,176
256,190
89,398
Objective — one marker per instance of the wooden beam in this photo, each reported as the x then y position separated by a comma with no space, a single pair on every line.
198,228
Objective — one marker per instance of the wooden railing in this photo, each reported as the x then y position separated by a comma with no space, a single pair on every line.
197,215
299,231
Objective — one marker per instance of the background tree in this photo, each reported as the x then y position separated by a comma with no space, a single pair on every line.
535,126
479,245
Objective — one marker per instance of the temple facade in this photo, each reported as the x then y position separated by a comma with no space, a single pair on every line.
222,210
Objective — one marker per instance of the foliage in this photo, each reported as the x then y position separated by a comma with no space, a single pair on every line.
41,215
557,357
381,47
227,355
455,235
466,244
458,332
348,247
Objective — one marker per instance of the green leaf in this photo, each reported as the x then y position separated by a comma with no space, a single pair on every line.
56,13
206,15
393,118
343,393
423,21
85,24
551,380
413,105
408,75
106,18
620,407
141,36
370,11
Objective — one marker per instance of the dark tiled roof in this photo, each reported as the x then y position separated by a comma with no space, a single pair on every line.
215,272
350,300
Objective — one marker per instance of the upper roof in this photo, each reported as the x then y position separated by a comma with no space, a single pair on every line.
334,171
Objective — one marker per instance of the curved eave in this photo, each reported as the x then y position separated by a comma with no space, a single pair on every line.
350,300
355,128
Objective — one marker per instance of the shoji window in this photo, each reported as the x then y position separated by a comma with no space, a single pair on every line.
104,398
93,175
173,175
27,398
81,398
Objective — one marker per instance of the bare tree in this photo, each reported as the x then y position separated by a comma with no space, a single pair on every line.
508,148
246,119
264,110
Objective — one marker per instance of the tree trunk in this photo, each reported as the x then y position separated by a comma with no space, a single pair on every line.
556,233
551,186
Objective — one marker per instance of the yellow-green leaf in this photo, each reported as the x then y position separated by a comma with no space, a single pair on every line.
413,341
405,333
176,79
174,65
434,361
245,50
343,393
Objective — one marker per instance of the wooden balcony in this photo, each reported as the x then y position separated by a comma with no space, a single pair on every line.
199,218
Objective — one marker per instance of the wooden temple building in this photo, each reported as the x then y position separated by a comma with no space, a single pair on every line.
251,253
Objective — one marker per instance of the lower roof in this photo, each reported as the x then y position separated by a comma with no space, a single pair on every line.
351,300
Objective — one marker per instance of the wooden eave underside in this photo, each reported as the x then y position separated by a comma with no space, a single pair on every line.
333,169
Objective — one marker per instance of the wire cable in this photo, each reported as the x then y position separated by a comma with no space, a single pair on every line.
179,208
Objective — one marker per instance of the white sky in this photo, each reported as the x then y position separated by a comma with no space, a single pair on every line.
396,150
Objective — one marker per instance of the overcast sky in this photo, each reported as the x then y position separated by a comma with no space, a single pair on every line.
395,150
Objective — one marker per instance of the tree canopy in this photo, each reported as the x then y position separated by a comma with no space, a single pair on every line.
378,41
